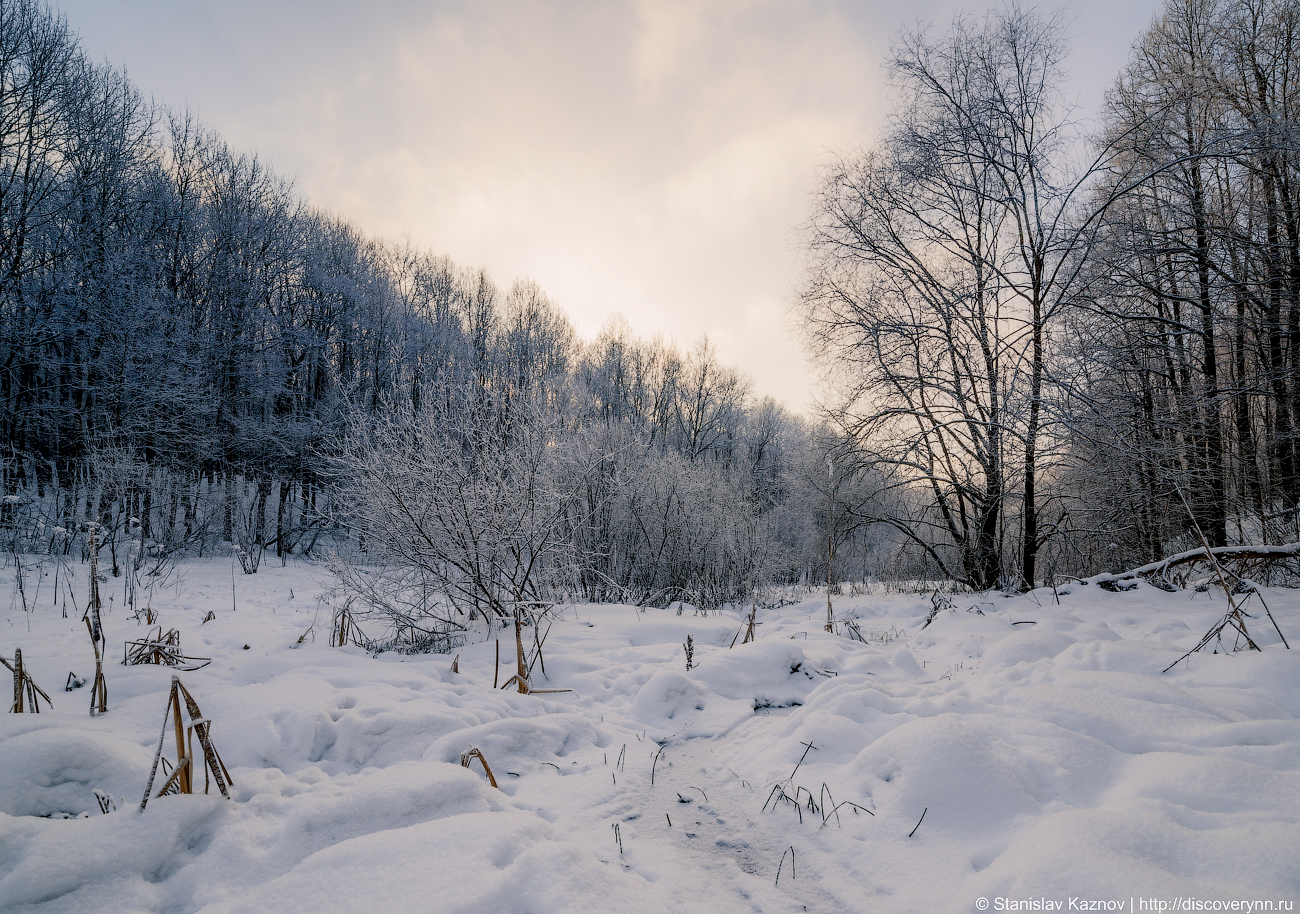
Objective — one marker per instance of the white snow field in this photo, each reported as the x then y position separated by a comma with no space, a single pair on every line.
1054,762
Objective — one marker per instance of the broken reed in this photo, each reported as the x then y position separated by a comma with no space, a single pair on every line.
162,650
181,779
789,851
748,629
26,691
99,693
344,628
473,753
95,625
523,667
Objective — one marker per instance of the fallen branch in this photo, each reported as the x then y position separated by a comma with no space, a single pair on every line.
1157,574
1162,567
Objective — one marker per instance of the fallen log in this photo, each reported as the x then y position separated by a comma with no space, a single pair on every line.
1232,582
1219,554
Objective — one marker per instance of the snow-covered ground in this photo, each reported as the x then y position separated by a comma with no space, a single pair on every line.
1050,756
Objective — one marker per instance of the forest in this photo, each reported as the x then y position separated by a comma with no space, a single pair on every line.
1050,345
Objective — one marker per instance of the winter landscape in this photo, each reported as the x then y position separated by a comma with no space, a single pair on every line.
337,577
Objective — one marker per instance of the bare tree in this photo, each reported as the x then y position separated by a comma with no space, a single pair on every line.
938,261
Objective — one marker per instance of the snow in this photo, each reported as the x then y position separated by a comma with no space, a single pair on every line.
1049,755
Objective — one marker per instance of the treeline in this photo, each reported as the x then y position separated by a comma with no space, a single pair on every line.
192,356
1064,351
176,327
1050,350
1192,327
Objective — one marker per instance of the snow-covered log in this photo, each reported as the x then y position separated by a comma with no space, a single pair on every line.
1162,567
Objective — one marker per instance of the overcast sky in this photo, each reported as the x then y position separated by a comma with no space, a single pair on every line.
646,158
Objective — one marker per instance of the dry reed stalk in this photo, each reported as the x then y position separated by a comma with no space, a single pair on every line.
95,625
1232,618
656,762
520,679
749,631
455,664
474,753
522,674
538,656
789,851
93,604
185,782
26,691
181,779
99,693
344,627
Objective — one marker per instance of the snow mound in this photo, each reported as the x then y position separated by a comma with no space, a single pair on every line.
55,770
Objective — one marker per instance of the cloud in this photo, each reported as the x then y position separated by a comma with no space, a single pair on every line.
648,157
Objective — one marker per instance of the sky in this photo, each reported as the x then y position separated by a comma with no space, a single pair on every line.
650,158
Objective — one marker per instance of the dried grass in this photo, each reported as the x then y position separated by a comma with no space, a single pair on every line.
790,851
162,650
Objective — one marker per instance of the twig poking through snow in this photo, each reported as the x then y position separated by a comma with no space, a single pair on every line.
656,762
801,758
793,875
918,822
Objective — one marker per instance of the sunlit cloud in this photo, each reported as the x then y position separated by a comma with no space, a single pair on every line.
647,158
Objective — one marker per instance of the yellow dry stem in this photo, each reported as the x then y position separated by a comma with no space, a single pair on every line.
474,753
